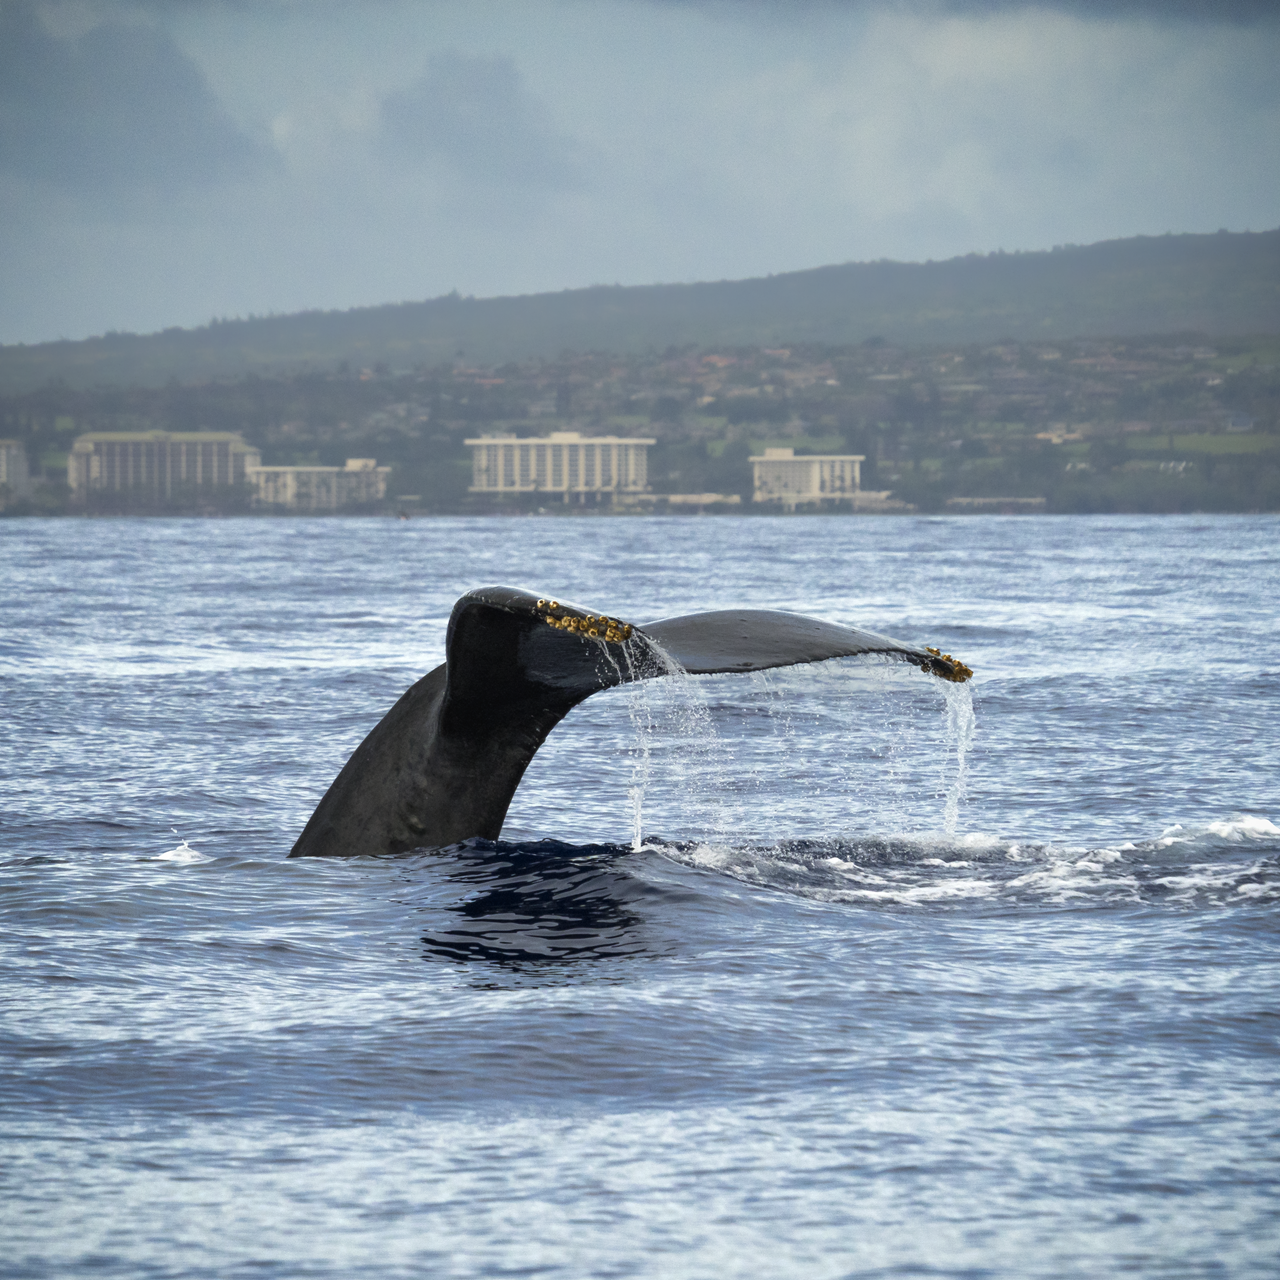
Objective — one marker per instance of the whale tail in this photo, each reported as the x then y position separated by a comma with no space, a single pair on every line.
445,761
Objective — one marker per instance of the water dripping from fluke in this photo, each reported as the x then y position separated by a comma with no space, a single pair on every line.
842,752
961,726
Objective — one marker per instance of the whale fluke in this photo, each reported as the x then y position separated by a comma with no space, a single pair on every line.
444,762
756,639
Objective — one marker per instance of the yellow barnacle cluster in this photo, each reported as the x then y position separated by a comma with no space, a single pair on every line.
594,626
955,671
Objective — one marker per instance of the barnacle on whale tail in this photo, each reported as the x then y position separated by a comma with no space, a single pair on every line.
602,627
945,667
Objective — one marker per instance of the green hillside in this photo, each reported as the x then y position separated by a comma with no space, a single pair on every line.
1223,284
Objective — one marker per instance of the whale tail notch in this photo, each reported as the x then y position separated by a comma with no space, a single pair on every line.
443,764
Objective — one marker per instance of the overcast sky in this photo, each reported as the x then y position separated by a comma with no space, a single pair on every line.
164,163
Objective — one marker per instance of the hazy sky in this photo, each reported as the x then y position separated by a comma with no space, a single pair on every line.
163,163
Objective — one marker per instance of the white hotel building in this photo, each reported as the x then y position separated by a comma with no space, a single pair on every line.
564,462
158,462
307,488
818,477
162,464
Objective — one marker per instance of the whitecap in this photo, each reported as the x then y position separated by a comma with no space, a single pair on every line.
1255,890
183,853
1246,825
935,892
979,840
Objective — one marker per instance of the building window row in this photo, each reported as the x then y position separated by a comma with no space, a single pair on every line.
564,462
158,461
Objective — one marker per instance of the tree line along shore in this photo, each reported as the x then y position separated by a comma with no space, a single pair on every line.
1172,423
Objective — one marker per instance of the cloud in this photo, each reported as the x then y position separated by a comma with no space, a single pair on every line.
933,131
501,148
476,114
1212,11
120,107
1206,11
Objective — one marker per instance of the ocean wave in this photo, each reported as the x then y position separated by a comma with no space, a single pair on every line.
182,853
1232,861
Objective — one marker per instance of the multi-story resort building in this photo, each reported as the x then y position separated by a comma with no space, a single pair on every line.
15,480
357,484
158,464
564,462
818,477
181,464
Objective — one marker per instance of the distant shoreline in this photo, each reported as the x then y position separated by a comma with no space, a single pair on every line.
639,515
1175,424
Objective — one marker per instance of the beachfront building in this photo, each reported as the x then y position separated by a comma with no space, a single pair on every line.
359,483
158,464
564,462
817,477
15,480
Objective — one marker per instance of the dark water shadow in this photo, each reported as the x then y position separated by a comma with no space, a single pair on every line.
544,908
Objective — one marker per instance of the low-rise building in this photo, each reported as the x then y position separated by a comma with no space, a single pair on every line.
158,464
359,483
679,501
780,476
564,462
1002,506
15,479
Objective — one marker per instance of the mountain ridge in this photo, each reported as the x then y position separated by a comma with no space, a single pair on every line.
1221,284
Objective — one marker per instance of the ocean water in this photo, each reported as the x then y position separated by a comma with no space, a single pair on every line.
827,972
